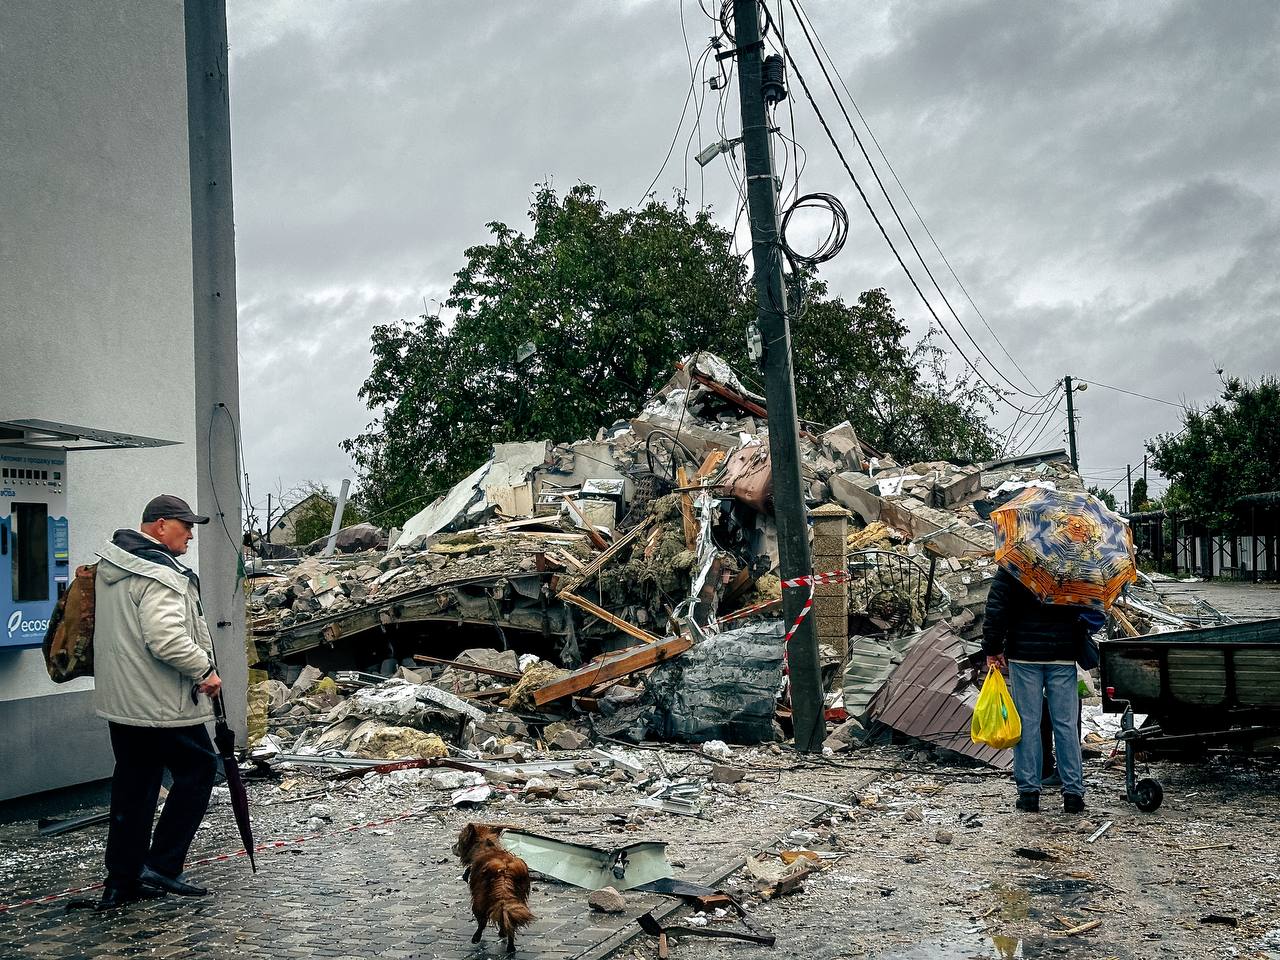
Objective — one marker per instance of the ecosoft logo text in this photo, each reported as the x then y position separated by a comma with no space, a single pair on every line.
16,623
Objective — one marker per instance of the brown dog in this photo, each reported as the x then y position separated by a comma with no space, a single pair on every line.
499,881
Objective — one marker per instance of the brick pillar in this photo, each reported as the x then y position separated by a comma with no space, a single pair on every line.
831,600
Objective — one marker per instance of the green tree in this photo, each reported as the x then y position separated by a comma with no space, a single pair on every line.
853,362
1138,498
1228,449
567,328
1106,496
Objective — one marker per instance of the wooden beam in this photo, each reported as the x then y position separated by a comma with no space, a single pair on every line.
597,540
711,464
1121,619
467,667
598,563
621,664
686,511
628,628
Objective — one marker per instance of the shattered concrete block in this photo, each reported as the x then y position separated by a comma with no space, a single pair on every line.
857,492
561,736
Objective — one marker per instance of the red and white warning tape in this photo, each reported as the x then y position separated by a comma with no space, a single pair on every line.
810,580
218,858
813,579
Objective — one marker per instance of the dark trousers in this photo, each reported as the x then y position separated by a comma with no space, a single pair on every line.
142,755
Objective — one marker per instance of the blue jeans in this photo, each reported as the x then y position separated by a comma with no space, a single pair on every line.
1030,684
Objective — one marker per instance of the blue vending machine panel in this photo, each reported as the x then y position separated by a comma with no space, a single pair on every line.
35,556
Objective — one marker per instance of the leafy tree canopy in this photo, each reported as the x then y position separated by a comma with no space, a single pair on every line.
1138,497
1106,496
1228,449
571,326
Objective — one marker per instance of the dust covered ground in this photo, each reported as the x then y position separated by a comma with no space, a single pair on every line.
921,866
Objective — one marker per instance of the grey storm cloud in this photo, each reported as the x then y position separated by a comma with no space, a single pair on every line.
1100,175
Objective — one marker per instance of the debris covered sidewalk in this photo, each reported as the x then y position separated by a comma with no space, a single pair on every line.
907,858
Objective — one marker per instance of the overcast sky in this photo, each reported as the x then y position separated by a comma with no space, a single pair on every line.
1101,176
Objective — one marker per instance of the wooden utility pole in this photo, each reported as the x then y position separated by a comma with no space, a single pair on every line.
1071,425
771,317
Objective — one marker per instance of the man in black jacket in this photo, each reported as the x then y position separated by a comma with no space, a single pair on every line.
1039,642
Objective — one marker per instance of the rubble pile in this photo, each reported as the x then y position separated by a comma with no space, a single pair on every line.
632,581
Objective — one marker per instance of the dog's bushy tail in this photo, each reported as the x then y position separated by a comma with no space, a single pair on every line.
512,915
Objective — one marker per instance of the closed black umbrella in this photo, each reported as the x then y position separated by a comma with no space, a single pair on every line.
225,741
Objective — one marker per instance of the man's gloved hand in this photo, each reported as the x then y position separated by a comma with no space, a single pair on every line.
211,685
998,663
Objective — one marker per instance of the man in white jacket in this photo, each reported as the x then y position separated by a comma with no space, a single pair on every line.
152,657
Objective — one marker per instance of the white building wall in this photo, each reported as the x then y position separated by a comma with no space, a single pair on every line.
95,297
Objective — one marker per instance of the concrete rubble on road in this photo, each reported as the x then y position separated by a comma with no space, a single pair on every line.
631,582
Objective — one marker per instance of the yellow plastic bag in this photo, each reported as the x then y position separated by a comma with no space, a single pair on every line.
995,719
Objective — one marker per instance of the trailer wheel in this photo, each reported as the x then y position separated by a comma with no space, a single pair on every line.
1148,795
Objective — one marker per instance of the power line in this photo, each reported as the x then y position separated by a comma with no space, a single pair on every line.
675,138
1030,446
1143,396
893,207
911,203
871,210
1047,409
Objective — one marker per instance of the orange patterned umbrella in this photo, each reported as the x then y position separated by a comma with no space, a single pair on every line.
1065,547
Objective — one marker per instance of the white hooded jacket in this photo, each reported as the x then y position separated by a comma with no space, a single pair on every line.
151,644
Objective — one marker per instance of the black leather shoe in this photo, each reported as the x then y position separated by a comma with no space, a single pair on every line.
1028,802
1072,803
113,898
174,885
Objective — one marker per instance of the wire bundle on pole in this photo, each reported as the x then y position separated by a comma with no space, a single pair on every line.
837,234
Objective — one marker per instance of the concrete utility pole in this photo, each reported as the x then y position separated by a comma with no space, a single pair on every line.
217,369
1128,485
338,510
807,712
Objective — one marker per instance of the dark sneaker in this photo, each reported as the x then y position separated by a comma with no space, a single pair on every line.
1028,802
1072,803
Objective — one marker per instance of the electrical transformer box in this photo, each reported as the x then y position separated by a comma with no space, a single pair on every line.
34,548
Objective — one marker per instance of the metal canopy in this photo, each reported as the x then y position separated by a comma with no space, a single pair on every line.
43,434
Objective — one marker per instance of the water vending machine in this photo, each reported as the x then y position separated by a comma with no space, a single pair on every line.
34,549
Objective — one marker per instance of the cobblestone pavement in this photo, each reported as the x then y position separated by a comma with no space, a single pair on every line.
924,869
389,892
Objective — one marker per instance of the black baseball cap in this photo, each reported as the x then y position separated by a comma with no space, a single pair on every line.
166,507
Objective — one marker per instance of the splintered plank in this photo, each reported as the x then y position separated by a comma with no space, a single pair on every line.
467,667
599,562
621,664
630,629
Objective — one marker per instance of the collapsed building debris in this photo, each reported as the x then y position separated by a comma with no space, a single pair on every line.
631,583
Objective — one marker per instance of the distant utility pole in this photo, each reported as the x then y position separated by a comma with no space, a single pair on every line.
1071,419
1128,483
807,709
1144,469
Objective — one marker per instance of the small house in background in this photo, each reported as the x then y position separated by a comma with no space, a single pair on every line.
285,530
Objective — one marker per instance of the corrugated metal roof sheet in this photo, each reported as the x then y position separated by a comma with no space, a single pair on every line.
931,696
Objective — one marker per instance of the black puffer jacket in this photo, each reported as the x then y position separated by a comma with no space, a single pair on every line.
1021,627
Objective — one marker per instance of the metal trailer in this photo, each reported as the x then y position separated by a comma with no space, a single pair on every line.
1199,688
